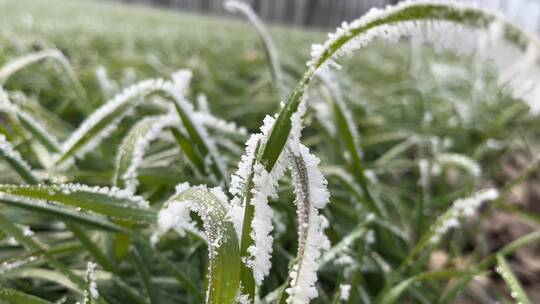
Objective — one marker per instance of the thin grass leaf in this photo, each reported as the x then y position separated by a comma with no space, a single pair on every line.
105,120
144,272
98,255
61,212
450,219
29,123
516,290
350,136
112,202
11,229
393,294
489,261
16,297
268,45
19,63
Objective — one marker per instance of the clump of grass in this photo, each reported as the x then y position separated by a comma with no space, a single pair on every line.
90,211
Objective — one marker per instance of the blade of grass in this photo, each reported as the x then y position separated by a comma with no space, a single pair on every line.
511,281
16,297
107,201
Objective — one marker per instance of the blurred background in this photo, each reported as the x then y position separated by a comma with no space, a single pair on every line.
330,13
395,93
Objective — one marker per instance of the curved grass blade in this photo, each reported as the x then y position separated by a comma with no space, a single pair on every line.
16,297
142,268
105,120
112,202
223,247
365,29
516,290
29,123
131,152
17,64
268,45
450,219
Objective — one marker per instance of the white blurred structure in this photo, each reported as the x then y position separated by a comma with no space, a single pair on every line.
525,13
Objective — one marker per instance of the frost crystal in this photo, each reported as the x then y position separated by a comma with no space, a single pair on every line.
175,216
91,277
182,80
344,291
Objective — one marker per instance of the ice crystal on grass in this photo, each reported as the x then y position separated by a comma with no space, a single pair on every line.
462,208
182,80
141,145
461,161
116,106
344,291
311,196
265,185
175,216
92,280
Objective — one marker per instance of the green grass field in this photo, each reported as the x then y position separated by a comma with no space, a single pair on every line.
434,127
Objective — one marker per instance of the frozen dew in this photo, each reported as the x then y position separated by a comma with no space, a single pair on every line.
344,291
92,280
462,208
461,161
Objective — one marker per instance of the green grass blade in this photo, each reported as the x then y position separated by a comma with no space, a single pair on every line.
19,63
61,212
268,45
189,150
393,294
111,202
11,229
16,297
29,123
516,290
142,267
350,136
98,255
